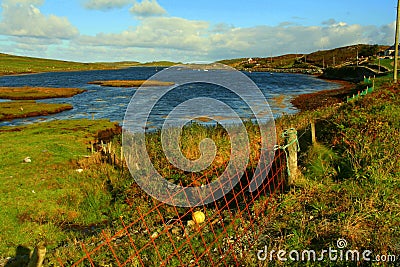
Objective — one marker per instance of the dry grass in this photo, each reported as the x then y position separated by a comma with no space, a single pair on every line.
23,109
279,101
32,93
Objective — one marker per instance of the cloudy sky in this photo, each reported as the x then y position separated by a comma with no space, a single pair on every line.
189,30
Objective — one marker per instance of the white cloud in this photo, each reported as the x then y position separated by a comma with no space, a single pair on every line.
22,19
155,32
147,8
29,31
105,4
187,40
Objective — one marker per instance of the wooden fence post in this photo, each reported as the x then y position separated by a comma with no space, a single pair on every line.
292,148
313,136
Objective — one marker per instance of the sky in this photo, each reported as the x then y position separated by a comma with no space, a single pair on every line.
189,30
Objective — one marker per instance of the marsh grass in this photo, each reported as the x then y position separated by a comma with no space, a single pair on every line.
29,108
33,93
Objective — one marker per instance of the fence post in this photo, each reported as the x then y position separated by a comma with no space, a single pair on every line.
293,148
313,135
37,257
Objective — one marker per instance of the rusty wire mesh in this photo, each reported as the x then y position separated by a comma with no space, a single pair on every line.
157,234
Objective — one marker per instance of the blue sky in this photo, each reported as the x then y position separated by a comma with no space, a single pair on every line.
188,31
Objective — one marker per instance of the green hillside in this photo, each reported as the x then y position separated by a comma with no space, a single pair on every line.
319,59
11,64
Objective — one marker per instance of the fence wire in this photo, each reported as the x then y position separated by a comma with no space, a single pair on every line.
222,233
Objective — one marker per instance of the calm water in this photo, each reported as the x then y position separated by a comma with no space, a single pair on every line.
111,103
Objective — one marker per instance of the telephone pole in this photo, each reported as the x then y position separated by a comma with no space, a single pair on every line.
396,44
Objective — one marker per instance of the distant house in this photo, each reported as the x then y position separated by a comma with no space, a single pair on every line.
251,61
390,51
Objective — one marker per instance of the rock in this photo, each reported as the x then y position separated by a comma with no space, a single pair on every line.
198,217
27,160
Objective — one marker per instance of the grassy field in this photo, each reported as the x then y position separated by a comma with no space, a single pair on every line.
349,186
11,64
40,198
23,109
131,83
33,93
387,63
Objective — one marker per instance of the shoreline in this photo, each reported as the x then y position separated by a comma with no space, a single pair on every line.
312,101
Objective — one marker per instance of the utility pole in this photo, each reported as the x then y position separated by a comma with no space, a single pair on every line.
396,44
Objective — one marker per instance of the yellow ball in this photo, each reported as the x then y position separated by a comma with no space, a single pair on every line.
198,217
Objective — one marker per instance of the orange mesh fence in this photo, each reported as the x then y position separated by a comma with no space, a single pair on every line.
222,233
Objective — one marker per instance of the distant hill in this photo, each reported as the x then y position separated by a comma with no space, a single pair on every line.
308,63
342,55
158,64
316,60
11,64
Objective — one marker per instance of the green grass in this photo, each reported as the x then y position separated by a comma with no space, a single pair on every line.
11,64
29,108
387,63
32,93
38,198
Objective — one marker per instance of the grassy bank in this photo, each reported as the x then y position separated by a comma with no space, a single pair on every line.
33,93
24,109
349,186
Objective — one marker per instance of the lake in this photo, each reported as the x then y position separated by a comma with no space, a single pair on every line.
111,102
